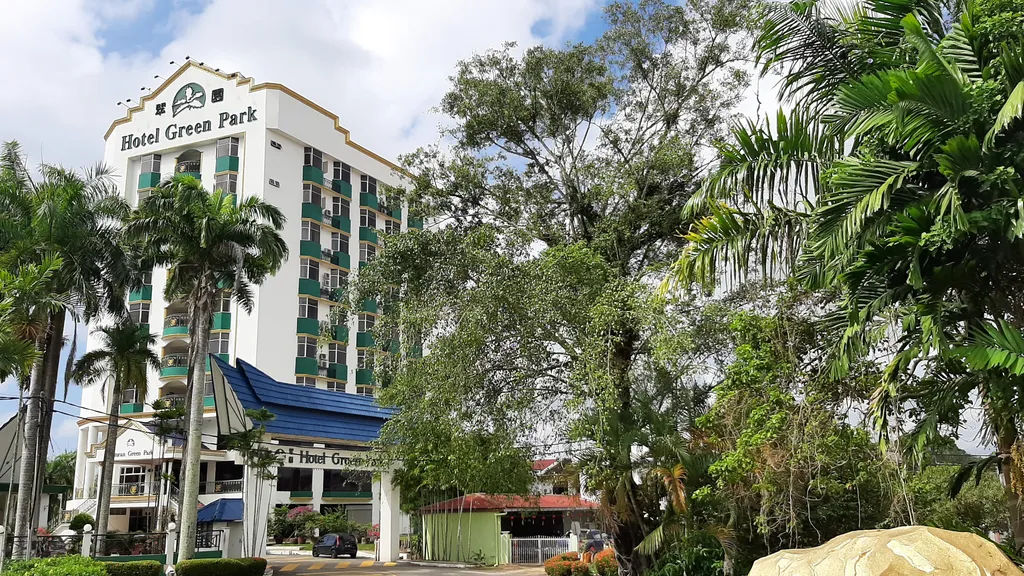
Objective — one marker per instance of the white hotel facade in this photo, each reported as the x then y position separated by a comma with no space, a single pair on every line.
260,140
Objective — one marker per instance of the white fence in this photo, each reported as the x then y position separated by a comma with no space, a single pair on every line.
537,550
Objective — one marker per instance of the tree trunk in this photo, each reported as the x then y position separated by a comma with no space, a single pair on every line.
34,423
201,313
107,471
1007,436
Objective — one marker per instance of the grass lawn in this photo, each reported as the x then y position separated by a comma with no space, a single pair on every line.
366,547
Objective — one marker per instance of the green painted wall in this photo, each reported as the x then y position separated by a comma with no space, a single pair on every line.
460,537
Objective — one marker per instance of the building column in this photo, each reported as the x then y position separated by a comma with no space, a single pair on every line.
257,496
318,488
78,490
390,519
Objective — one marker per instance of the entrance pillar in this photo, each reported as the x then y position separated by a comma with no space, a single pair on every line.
256,511
390,523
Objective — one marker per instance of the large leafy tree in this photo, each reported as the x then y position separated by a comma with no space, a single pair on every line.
121,361
556,206
75,217
207,243
896,180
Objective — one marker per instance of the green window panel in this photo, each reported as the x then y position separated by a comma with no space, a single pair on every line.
341,333
301,494
179,330
209,402
170,371
364,376
309,287
227,164
416,352
368,234
306,367
342,259
224,357
416,223
394,346
342,187
312,211
146,293
221,321
313,174
131,408
149,180
338,371
310,248
367,200
342,223
365,340
307,326
328,494
368,305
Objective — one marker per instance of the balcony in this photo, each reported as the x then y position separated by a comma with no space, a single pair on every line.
227,164
312,211
416,223
367,200
368,305
173,365
364,376
131,408
311,249
143,294
149,180
365,340
314,175
342,259
188,168
306,367
176,325
131,489
342,187
309,287
342,223
332,294
368,235
221,487
337,371
341,333
307,326
221,321
173,401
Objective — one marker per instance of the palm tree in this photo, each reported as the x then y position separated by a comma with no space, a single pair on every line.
207,243
75,217
27,301
123,359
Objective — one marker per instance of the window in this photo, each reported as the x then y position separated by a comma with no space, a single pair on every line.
307,381
339,207
364,359
366,322
308,308
307,347
365,390
342,172
367,252
147,277
311,231
274,144
226,182
335,353
335,386
337,278
312,194
368,184
227,147
219,342
150,163
131,475
347,481
294,479
310,269
313,157
339,242
392,226
139,312
224,302
130,396
367,218
208,385
143,194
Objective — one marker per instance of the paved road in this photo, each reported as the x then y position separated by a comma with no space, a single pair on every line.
309,566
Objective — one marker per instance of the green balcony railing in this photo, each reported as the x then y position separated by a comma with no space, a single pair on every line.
367,200
176,325
221,321
342,187
149,180
227,164
313,174
342,259
416,223
310,248
337,371
365,340
341,333
188,168
174,365
144,294
307,326
312,212
368,305
342,223
308,287
364,376
368,235
306,367
131,408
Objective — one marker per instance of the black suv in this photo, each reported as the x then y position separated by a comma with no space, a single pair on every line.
336,545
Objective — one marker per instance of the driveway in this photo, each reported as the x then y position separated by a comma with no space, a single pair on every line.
307,565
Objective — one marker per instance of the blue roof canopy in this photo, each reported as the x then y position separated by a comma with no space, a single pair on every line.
222,510
301,410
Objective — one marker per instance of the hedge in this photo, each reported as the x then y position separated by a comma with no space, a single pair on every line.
134,568
605,563
60,566
80,520
256,566
211,567
568,564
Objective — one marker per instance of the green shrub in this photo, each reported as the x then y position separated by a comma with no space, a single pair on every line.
568,564
605,563
137,568
61,566
255,566
211,567
80,520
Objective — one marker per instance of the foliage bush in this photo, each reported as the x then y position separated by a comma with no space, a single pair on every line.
80,520
605,563
568,564
255,566
135,568
279,524
60,566
212,567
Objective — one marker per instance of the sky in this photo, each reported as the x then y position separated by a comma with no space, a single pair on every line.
381,65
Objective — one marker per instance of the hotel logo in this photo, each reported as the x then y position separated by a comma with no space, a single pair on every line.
191,96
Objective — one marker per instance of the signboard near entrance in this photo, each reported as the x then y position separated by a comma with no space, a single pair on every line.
133,445
322,458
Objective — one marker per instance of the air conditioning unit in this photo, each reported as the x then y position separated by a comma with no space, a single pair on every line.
327,278
323,357
327,252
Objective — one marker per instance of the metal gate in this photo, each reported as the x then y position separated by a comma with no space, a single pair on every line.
537,550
